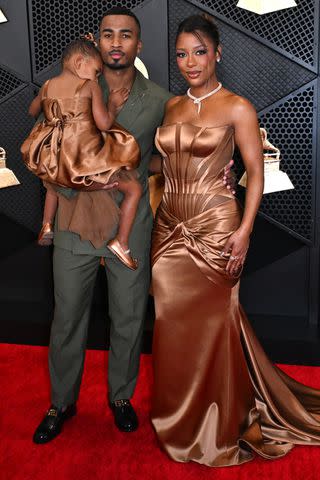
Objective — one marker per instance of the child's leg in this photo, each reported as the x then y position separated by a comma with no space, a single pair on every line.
132,191
50,207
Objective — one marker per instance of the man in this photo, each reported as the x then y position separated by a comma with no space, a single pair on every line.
75,262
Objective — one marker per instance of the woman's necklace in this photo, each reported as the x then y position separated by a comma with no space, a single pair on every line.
198,100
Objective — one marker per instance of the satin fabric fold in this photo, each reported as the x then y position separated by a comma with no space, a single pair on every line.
217,397
68,150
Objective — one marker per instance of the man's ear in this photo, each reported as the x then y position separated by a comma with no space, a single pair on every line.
139,48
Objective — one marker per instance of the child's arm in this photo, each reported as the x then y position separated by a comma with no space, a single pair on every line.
35,106
104,116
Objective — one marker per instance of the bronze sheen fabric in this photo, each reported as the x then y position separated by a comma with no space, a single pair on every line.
217,397
68,150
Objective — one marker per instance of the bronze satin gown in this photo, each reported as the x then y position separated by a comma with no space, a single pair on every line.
68,149
217,397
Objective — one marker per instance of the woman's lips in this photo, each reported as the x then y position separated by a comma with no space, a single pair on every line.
194,74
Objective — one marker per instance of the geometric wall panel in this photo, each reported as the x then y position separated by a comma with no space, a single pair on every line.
55,23
23,203
290,128
8,82
292,29
153,54
283,294
271,60
14,38
248,67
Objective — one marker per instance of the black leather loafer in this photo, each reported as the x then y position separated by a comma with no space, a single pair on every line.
125,417
52,423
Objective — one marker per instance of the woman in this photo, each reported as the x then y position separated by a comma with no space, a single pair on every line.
217,397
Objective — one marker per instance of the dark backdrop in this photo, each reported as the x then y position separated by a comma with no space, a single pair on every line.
274,61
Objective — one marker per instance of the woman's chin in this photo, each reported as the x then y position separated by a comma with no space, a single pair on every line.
194,82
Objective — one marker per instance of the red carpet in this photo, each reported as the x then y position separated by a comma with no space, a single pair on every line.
91,448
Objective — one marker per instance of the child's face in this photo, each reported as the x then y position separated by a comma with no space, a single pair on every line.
89,68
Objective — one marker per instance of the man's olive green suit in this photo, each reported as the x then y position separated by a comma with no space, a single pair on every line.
75,265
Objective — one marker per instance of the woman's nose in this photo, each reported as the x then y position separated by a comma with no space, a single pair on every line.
191,61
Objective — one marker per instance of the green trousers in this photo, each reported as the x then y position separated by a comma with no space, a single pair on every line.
74,280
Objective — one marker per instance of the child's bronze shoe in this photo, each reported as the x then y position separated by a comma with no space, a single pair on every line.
46,235
123,255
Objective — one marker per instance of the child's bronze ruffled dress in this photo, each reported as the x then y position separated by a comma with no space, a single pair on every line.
68,150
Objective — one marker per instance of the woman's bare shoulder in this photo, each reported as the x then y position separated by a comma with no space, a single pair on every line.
173,102
238,104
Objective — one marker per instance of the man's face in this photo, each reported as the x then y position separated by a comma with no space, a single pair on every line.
119,41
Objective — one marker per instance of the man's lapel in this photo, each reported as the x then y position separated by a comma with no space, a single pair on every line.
134,105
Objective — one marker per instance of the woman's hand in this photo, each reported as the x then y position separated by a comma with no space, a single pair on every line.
229,179
236,249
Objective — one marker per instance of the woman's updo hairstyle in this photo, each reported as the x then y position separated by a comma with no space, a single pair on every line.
197,24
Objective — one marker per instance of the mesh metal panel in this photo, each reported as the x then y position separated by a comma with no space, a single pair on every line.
290,128
56,22
8,82
292,29
23,202
262,75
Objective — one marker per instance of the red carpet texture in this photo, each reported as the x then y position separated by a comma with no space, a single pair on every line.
91,448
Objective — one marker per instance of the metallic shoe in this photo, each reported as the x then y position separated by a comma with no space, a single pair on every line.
46,235
123,255
51,424
125,417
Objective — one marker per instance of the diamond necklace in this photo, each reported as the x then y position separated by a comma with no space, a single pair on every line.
198,100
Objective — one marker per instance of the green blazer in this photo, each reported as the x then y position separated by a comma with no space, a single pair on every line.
141,115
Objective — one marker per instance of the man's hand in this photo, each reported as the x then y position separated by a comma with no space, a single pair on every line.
229,178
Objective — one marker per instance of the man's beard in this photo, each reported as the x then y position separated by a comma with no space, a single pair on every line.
117,66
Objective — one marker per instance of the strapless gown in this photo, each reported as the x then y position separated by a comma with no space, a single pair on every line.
217,397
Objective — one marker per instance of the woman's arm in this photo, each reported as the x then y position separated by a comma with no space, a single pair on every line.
248,139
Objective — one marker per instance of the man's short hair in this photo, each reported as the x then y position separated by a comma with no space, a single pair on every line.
122,11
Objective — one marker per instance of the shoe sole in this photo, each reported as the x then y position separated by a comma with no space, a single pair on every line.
127,430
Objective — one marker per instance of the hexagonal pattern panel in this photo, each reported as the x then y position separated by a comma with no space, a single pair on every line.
55,23
290,128
8,82
243,60
291,29
22,202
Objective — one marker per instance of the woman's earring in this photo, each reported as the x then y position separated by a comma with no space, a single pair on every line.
219,60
